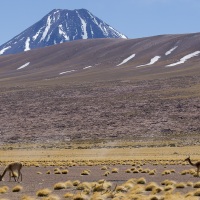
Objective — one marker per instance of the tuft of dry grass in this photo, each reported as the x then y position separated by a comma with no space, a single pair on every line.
104,168
152,172
180,185
65,171
4,189
85,172
168,182
169,188
157,190
76,183
128,185
115,170
68,195
141,181
59,186
135,171
43,192
80,197
151,186
154,197
137,189
128,171
101,181
101,186
84,186
189,183
196,192
99,196
145,170
166,172
184,172
196,185
106,173
17,188
177,196
68,184
25,197
57,171
51,197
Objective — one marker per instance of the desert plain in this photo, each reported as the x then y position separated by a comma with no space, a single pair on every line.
103,132
117,172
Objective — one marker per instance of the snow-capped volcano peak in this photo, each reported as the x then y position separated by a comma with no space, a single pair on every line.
58,26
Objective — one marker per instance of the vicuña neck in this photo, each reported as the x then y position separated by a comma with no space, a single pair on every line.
191,162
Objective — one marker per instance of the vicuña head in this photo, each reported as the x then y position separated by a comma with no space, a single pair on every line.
188,158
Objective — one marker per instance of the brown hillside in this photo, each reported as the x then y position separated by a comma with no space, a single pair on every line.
95,98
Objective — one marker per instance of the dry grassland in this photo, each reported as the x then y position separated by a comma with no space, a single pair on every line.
119,173
125,153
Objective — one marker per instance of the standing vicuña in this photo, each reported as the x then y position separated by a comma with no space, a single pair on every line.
11,168
197,164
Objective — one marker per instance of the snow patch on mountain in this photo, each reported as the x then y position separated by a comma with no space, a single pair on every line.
27,44
63,33
120,35
23,66
48,25
4,49
170,51
36,35
152,61
83,26
184,59
67,72
126,60
93,18
87,67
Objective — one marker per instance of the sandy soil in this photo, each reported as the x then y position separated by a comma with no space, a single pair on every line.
35,178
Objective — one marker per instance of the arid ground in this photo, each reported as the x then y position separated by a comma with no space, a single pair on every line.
99,173
93,133
135,111
138,129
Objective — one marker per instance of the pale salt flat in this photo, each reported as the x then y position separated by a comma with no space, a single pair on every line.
126,60
87,67
170,51
67,72
23,66
152,61
184,59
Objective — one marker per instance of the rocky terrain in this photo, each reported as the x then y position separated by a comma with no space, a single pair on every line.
101,110
89,90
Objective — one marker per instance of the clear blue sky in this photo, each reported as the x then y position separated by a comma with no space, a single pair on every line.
134,18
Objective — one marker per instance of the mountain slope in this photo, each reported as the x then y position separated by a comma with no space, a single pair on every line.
104,59
60,26
103,89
